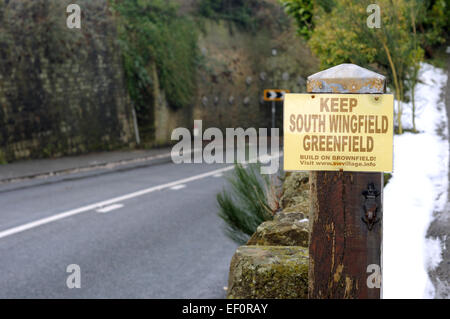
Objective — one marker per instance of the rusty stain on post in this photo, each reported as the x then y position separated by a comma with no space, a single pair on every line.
341,243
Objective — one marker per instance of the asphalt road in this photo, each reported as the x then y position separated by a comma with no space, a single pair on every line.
439,228
164,242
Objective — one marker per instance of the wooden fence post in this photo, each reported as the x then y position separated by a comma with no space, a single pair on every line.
345,249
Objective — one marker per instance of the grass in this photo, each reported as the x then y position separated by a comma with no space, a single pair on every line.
247,203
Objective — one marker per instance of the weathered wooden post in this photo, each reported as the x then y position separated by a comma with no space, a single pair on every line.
346,181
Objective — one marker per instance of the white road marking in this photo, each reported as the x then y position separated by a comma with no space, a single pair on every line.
218,175
76,211
111,201
108,209
175,188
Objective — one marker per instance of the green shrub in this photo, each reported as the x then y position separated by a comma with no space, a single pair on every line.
247,203
152,33
302,11
433,23
3,158
241,12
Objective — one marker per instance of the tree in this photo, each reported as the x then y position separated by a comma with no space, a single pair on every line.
417,55
341,35
337,33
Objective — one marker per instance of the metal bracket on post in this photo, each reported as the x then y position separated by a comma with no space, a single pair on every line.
370,206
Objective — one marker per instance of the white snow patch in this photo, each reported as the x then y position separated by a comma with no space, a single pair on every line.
433,255
418,188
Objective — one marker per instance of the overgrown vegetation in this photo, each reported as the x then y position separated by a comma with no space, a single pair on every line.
338,33
3,158
249,15
303,12
238,11
251,200
157,42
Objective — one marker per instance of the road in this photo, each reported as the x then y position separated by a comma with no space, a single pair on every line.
439,228
166,241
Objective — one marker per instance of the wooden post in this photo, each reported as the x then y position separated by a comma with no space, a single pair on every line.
342,245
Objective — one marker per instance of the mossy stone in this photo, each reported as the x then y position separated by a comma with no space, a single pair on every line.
275,272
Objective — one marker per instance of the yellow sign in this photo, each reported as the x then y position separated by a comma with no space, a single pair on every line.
333,132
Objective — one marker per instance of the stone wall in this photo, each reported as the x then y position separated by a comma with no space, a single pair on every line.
274,263
166,119
235,67
62,90
238,65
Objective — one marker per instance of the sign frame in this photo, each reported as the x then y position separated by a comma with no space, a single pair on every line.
330,142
